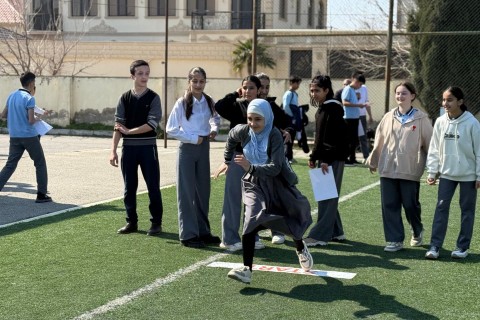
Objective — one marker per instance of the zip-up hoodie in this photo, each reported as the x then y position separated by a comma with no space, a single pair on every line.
401,145
454,151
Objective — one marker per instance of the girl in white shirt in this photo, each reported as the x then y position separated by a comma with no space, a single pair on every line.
454,158
194,121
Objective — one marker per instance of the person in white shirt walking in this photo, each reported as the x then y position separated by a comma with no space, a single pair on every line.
194,121
454,157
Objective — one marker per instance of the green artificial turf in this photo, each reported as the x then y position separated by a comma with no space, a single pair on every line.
64,266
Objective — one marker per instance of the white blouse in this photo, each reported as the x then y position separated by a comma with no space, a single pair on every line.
201,122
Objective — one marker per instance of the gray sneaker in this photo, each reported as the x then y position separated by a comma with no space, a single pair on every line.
393,246
459,253
433,253
242,274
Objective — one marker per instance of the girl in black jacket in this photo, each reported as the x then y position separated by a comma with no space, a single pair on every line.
329,153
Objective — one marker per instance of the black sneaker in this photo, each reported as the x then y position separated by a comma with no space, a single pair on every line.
193,243
41,198
210,239
128,228
155,229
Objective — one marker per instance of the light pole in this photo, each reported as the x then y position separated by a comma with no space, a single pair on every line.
255,36
388,64
165,81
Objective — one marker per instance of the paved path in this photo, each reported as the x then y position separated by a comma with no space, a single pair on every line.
79,173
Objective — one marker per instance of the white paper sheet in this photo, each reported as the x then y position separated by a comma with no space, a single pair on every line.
38,110
360,129
42,127
323,185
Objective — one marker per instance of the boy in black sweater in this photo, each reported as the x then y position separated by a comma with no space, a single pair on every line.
136,119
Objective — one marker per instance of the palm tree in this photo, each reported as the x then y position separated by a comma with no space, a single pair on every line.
243,55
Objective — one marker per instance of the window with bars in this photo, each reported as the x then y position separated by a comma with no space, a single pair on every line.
82,8
121,8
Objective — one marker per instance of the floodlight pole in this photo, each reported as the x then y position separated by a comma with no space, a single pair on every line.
255,36
388,65
165,81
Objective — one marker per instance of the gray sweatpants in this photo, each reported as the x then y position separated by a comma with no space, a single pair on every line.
193,189
468,201
396,193
232,204
35,151
329,223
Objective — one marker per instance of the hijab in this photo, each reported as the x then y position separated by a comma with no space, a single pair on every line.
255,150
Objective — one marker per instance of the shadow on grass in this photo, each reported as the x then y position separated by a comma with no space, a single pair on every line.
24,226
370,298
321,256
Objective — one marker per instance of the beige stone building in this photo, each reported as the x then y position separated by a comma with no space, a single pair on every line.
109,34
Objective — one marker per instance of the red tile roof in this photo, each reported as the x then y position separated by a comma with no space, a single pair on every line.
9,12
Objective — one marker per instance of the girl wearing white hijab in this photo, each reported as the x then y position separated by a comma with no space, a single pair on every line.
271,199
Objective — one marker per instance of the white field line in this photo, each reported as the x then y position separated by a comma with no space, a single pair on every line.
148,288
353,194
56,213
110,306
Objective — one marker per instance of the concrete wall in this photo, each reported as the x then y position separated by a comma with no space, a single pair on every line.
93,99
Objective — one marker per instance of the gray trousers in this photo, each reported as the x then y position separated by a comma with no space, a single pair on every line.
396,193
364,145
35,151
468,201
329,223
193,189
232,204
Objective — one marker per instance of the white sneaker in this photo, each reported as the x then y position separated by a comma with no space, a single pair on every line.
417,241
433,253
305,258
339,238
242,274
278,239
259,245
459,253
310,242
231,247
393,246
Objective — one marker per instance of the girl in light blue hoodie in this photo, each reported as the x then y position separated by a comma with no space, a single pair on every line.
454,157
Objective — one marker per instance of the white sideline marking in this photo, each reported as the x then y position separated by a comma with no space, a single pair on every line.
148,288
348,196
260,267
361,190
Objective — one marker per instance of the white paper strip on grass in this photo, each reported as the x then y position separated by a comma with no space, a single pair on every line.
323,185
259,267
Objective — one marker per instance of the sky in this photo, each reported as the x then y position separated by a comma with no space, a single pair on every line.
357,14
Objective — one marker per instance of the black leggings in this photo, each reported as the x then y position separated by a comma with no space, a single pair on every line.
248,244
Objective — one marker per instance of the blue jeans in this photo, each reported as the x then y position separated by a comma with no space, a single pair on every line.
147,158
35,151
468,201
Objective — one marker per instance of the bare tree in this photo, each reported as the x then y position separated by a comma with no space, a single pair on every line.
369,53
48,52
